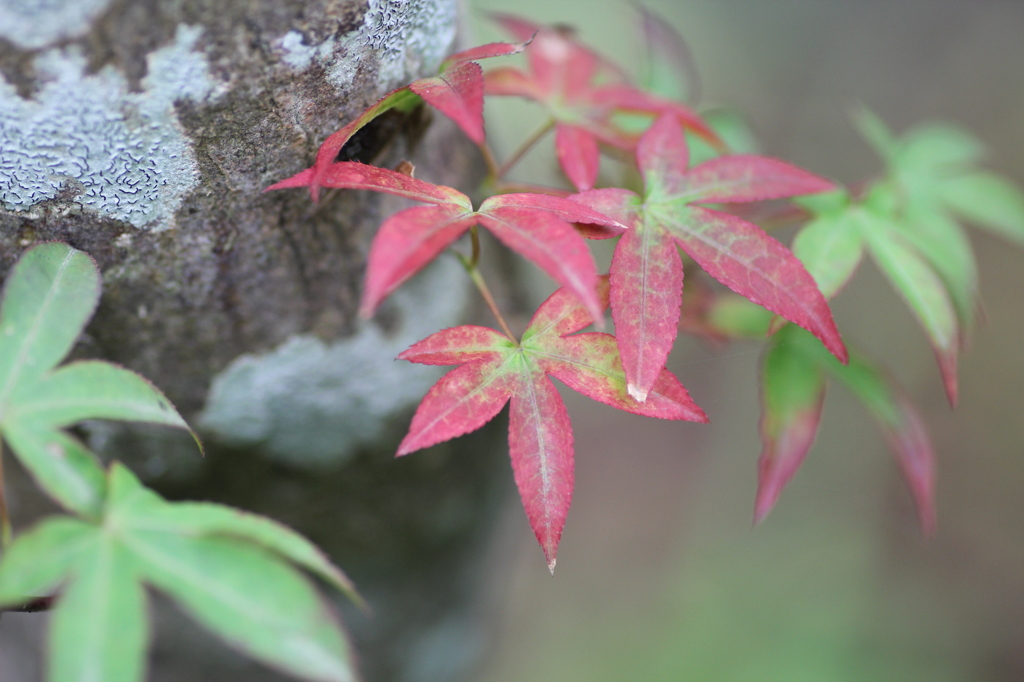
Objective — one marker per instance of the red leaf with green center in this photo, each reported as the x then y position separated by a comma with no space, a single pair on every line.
589,363
458,91
627,99
663,157
745,177
536,226
459,95
620,205
540,444
744,258
353,175
645,275
544,237
562,78
494,370
462,401
792,395
550,243
647,292
405,243
567,210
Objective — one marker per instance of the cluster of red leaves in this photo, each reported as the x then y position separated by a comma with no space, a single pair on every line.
564,77
582,93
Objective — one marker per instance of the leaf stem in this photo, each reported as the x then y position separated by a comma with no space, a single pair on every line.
523,148
474,238
481,285
5,519
492,164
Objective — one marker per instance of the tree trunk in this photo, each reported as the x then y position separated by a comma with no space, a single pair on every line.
142,132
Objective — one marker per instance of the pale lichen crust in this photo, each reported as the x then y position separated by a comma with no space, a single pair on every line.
88,142
406,39
32,24
314,404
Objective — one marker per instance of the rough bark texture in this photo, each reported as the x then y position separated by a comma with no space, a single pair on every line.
142,132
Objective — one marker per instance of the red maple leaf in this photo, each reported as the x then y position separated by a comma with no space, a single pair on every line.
563,77
495,369
647,272
457,92
537,226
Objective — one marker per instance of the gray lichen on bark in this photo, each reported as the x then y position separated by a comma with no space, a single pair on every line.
102,149
37,23
314,404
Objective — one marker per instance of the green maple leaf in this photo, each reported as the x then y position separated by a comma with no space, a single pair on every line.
47,299
794,374
231,571
795,371
908,221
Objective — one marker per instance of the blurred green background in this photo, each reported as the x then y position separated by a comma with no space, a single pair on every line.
660,574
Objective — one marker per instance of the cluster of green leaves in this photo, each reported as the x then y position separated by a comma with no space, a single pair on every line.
237,574
907,220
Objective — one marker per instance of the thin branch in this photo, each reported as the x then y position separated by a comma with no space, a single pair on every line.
474,238
32,606
5,519
492,164
485,292
523,148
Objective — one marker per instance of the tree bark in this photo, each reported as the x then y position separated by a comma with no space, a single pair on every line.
143,132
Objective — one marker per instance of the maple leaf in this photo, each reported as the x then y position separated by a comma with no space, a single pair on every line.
792,397
537,226
562,78
235,573
48,297
793,380
907,221
457,92
495,370
795,371
647,272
